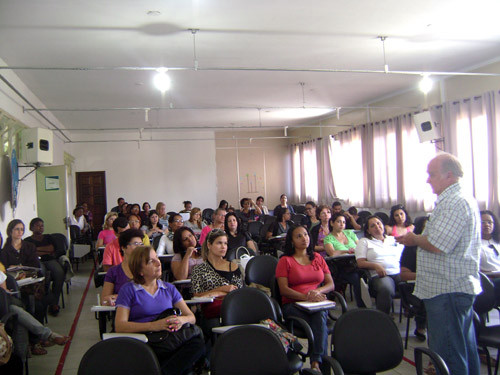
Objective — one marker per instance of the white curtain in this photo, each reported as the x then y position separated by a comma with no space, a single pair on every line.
470,128
305,171
346,161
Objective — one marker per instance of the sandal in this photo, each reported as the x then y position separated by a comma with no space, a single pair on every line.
36,349
58,339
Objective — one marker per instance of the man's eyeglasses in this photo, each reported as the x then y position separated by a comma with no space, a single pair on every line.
178,221
135,244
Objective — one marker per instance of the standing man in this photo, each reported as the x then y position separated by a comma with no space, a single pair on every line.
448,266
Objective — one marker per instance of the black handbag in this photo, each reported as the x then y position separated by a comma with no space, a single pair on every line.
165,342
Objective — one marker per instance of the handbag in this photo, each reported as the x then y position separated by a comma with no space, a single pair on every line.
289,341
5,345
165,342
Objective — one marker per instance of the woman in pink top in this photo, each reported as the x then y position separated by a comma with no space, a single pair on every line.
399,222
300,272
107,234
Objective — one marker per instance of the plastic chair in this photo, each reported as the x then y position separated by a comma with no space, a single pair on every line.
365,341
250,306
486,336
104,358
298,218
250,349
254,228
206,215
260,270
237,252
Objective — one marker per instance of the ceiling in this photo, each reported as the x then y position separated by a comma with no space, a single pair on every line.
251,57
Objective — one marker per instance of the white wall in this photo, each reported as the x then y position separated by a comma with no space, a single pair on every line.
170,172
11,103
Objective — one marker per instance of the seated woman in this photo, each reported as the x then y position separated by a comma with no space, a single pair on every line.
107,234
27,324
195,222
380,255
144,214
260,203
341,241
408,271
215,277
78,219
223,204
124,210
320,231
247,213
154,228
111,256
283,205
134,222
166,245
236,236
187,207
281,225
186,254
399,222
311,219
87,213
17,252
120,274
490,249
161,210
217,223
300,272
140,302
46,250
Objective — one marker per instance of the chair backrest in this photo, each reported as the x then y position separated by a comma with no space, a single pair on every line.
248,350
486,300
156,242
110,357
206,215
74,232
367,341
300,209
4,303
61,243
260,270
246,306
298,218
269,219
254,228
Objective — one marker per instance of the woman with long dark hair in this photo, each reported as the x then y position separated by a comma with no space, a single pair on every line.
186,253
236,236
300,272
399,222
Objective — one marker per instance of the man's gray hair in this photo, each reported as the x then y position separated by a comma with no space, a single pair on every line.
449,163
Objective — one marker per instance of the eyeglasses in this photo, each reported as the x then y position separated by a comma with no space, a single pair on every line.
135,244
178,221
215,233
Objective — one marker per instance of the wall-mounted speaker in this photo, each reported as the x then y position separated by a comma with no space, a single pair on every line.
426,128
36,146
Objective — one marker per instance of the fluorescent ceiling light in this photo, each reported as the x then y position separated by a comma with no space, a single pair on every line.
294,113
425,84
161,80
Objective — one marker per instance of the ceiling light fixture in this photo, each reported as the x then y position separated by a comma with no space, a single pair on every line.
153,13
425,84
161,80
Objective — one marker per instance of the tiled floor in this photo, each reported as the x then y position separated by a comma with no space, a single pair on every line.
86,333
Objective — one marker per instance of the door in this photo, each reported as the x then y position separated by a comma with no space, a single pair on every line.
91,189
52,197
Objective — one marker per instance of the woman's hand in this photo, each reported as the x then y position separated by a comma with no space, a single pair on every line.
380,270
351,250
228,288
109,300
315,296
190,251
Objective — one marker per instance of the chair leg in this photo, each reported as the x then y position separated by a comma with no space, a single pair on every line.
62,299
407,331
496,363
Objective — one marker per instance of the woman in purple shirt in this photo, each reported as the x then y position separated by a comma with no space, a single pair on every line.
120,274
140,303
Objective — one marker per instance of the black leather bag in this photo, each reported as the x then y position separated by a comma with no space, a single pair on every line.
165,342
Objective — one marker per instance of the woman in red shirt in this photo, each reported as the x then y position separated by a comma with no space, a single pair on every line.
300,272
